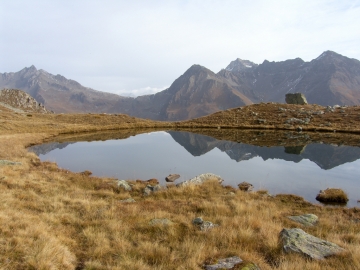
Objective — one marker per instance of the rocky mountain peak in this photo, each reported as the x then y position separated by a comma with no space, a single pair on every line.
240,65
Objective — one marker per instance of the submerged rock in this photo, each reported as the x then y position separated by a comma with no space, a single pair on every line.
332,195
296,240
200,179
124,184
306,220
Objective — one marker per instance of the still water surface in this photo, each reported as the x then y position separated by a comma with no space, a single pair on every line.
158,154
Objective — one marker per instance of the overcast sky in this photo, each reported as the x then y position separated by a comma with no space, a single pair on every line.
140,47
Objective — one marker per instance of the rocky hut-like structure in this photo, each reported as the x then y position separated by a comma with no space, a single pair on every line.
295,98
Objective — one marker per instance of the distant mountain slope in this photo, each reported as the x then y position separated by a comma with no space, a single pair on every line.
197,92
56,92
327,80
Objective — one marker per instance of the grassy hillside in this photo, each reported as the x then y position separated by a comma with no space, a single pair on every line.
51,218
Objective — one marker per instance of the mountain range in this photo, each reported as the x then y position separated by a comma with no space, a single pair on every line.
329,79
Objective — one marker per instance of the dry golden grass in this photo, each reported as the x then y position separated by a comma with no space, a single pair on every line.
52,218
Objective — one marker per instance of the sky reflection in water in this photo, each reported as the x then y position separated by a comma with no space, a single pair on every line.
156,155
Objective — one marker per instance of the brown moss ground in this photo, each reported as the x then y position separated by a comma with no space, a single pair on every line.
51,218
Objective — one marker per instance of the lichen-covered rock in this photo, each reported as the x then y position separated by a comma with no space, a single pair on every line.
306,220
227,263
200,179
245,186
124,184
151,189
296,240
204,225
295,98
160,221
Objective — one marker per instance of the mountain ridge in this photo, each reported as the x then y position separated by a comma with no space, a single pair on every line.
329,79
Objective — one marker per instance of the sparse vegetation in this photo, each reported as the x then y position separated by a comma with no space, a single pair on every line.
52,218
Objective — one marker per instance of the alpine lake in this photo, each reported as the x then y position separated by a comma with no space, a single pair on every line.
280,162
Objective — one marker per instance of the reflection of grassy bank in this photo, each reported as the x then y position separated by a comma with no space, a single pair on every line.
51,217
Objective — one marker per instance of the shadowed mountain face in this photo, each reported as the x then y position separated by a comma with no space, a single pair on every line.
327,80
324,155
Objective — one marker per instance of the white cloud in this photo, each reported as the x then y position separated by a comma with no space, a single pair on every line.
111,45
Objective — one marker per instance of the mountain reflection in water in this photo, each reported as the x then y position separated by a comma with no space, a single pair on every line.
156,156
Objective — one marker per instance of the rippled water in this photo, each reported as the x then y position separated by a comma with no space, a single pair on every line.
300,170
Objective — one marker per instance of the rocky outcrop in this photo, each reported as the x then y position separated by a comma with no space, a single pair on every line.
296,98
151,189
20,101
296,240
172,177
124,184
200,179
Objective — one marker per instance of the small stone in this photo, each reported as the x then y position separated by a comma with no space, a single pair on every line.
198,221
306,220
227,263
245,186
207,225
172,177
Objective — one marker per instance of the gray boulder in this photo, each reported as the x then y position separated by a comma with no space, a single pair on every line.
151,189
296,240
200,179
125,185
172,177
296,98
227,263
306,220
